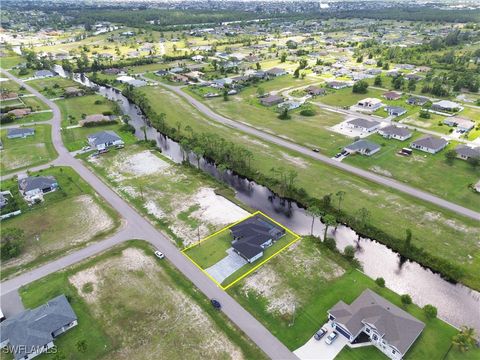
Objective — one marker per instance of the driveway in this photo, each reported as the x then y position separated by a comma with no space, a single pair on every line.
227,266
319,350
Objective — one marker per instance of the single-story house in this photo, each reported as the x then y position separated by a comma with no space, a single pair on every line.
271,100
363,124
363,147
417,100
315,90
14,133
392,95
430,144
104,139
113,71
389,328
161,73
447,105
370,104
19,113
33,331
96,118
194,75
337,85
32,186
275,72
253,235
290,105
395,110
197,58
73,91
179,78
8,95
177,70
395,132
466,152
414,77
462,124
44,73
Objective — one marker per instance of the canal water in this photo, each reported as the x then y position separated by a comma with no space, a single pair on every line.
456,303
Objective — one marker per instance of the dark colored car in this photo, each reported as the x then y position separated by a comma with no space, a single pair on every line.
320,334
216,304
316,150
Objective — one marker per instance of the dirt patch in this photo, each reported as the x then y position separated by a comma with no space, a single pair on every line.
379,170
295,160
153,209
144,163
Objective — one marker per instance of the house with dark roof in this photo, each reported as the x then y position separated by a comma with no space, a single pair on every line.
32,187
315,90
462,124
104,139
253,235
430,144
417,100
271,100
465,152
337,85
363,147
275,72
363,124
395,132
395,110
44,74
446,105
14,133
33,331
389,328
392,95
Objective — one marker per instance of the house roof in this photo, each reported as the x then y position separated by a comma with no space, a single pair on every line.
271,99
460,122
32,329
392,95
251,233
446,104
468,151
44,73
20,131
103,137
363,145
431,142
395,130
399,328
397,109
275,71
36,182
364,123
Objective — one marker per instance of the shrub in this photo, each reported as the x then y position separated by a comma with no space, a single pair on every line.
307,112
99,123
98,102
330,243
406,299
380,281
11,243
127,128
430,311
349,252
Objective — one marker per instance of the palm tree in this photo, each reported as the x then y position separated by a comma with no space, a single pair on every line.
328,220
314,212
340,195
465,339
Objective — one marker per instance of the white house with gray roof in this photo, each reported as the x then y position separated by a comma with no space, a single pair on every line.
465,152
395,132
14,133
363,124
363,147
104,139
34,187
389,328
32,332
430,144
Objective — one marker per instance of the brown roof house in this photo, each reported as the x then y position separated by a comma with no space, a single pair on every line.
315,90
271,100
96,118
392,95
389,328
19,113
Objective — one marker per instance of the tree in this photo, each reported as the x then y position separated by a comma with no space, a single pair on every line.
314,212
450,156
303,63
340,196
474,161
406,299
430,311
349,252
260,91
408,240
360,87
380,281
424,114
465,339
11,242
412,85
328,220
363,217
398,82
284,114
378,80
296,73
225,95
81,346
283,57
258,66
199,153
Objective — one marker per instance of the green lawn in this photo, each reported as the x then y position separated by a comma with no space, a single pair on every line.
22,153
8,62
345,97
138,310
12,86
35,117
68,219
286,278
75,107
52,87
210,251
34,103
426,221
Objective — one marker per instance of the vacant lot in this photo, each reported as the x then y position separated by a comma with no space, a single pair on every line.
52,87
75,108
178,198
131,305
69,218
21,153
292,293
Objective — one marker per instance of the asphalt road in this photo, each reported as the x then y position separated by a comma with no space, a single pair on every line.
137,227
394,184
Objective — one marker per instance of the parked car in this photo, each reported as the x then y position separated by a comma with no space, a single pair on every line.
85,148
159,254
331,338
320,334
316,150
216,304
119,146
103,151
338,155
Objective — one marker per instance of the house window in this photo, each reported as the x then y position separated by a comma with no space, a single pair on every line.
375,337
367,330
394,352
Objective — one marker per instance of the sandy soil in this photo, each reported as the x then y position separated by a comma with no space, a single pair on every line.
295,160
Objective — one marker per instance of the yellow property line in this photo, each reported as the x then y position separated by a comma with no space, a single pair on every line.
297,237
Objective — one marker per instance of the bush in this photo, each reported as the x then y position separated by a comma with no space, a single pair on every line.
7,118
307,112
430,311
349,252
98,102
99,123
380,281
107,113
406,299
12,240
330,243
127,128
360,87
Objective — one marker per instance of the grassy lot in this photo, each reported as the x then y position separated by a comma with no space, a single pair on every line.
435,123
52,87
276,295
390,211
35,117
429,170
209,252
76,138
68,219
74,108
181,200
144,306
21,153
34,103
345,97
8,62
12,86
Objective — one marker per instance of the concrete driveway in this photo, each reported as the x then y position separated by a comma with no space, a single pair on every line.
319,350
227,266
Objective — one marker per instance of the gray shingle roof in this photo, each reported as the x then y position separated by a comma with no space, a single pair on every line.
33,328
36,182
103,137
364,145
364,123
430,142
467,151
400,329
20,131
395,130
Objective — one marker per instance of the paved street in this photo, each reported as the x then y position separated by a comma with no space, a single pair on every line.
139,228
394,184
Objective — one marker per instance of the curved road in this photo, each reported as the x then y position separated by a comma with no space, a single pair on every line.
139,228
394,184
